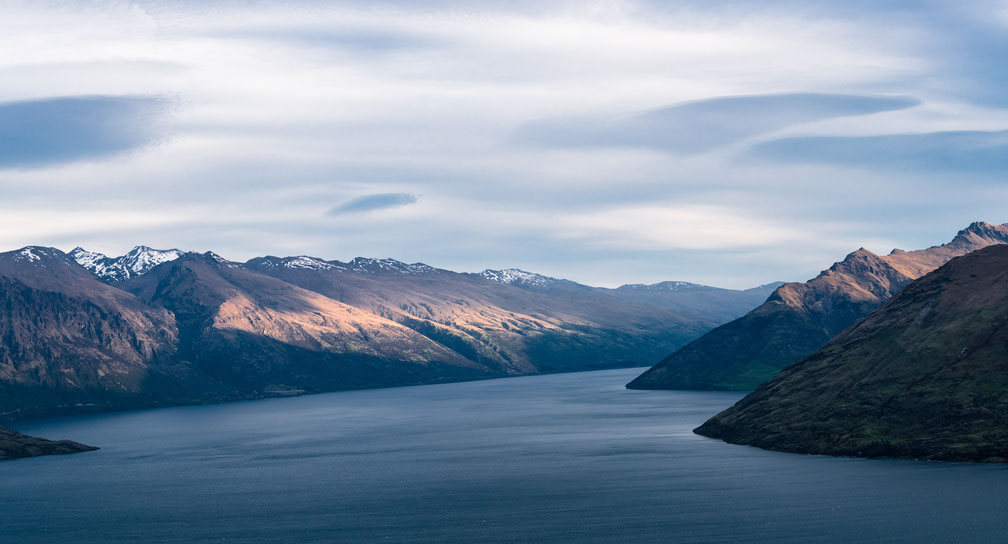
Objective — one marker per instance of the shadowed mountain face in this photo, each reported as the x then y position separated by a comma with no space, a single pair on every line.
798,318
925,376
83,331
67,339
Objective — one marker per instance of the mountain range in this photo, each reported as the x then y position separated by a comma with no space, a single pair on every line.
798,318
924,376
81,331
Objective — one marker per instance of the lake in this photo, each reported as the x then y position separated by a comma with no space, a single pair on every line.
568,458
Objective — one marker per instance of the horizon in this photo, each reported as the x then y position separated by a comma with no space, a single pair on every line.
486,269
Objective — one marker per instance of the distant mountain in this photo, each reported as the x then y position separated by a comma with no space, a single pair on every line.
525,324
718,304
924,376
798,318
83,331
14,445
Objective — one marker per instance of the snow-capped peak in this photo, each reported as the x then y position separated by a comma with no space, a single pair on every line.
514,276
137,262
86,258
141,259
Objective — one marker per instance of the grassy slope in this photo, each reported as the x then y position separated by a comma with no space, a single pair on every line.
925,376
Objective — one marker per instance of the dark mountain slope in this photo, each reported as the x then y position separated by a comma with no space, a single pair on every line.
800,317
925,376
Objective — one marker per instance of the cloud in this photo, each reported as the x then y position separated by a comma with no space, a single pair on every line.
958,151
370,203
44,132
699,126
287,109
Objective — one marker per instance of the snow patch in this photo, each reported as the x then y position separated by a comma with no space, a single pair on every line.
36,254
304,262
27,253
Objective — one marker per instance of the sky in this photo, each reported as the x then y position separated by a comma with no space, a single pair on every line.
730,143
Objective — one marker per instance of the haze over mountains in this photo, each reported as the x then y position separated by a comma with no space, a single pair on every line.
83,331
798,318
924,376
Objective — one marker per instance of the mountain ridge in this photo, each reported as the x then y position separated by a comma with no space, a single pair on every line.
798,318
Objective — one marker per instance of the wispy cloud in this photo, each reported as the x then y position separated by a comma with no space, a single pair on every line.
37,133
706,124
371,203
968,152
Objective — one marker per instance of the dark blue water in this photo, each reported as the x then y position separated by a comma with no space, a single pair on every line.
565,458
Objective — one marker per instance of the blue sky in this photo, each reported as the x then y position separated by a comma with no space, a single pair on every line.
730,143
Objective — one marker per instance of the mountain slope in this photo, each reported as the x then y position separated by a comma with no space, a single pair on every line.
800,317
925,376
533,324
257,334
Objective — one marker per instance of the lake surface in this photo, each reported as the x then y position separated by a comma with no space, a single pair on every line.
570,458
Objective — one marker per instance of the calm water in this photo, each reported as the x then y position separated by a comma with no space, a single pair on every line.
565,458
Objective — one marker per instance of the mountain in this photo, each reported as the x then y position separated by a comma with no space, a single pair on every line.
87,332
924,376
14,445
798,318
516,324
69,341
258,334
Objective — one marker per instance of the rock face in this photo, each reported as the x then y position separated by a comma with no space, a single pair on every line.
14,445
86,332
925,376
798,318
68,340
